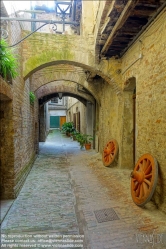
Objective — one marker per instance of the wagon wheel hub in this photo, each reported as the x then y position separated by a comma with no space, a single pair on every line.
138,175
107,151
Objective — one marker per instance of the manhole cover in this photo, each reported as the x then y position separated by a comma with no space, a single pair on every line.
105,215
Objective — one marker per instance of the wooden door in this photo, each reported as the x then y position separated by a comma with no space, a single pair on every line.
74,120
62,121
78,121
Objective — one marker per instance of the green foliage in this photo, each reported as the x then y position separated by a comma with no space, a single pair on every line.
83,139
68,127
32,97
8,62
87,138
80,139
75,133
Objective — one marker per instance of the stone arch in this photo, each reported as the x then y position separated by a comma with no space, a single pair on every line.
43,50
94,70
66,87
75,77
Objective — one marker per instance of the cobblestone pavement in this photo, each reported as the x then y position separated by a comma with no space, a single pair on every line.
62,196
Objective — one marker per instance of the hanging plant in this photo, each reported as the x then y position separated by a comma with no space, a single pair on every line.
32,97
8,62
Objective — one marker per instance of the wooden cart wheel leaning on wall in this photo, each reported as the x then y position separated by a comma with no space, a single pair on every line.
144,179
110,152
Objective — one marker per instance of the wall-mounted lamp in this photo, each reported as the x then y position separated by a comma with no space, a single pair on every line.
60,95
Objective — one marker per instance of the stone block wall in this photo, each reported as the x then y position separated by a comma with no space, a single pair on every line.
109,120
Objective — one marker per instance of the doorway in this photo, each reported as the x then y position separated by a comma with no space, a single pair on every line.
62,120
129,125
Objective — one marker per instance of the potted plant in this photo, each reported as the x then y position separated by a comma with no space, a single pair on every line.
87,141
68,128
80,138
74,134
8,62
84,140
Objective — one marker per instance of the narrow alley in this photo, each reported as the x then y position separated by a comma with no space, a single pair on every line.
93,71
70,196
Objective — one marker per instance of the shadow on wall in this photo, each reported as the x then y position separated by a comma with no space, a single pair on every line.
158,197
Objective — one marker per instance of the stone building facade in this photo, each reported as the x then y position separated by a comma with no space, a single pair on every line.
126,95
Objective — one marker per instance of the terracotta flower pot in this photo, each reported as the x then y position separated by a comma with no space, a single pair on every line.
88,146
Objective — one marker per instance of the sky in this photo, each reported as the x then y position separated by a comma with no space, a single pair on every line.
12,6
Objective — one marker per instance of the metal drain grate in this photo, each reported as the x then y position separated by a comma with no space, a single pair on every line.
105,215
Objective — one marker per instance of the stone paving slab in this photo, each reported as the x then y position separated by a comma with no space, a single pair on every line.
61,194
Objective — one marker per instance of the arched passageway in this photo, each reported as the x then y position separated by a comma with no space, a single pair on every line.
79,108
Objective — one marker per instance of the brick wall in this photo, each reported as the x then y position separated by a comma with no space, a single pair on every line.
6,150
19,127
150,74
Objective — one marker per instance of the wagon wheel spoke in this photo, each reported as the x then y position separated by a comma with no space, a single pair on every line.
137,190
136,186
148,176
141,166
148,170
148,182
145,187
146,165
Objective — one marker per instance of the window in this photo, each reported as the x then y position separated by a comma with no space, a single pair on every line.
54,100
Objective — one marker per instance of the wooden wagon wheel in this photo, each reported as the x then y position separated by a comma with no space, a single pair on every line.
109,153
144,179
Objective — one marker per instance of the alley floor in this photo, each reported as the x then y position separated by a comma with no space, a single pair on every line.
70,200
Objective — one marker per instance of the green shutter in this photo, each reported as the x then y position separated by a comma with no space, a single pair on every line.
54,122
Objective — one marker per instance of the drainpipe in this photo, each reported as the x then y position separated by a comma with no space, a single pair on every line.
144,28
73,10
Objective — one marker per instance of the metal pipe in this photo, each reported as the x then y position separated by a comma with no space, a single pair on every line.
37,20
31,11
73,10
60,2
144,28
